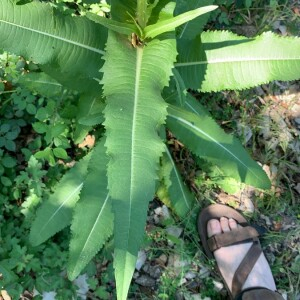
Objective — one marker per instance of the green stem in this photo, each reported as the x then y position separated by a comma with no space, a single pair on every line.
142,13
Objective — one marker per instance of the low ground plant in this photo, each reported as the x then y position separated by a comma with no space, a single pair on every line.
131,72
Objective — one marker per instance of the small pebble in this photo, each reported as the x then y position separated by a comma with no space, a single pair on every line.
162,259
145,280
266,219
141,259
297,120
218,285
190,275
198,297
204,272
174,230
155,271
182,281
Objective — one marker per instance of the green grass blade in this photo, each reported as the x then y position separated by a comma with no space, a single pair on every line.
92,223
133,80
69,49
56,212
207,140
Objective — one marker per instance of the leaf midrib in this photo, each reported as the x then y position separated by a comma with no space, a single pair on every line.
44,82
55,37
212,139
139,58
59,208
235,60
95,224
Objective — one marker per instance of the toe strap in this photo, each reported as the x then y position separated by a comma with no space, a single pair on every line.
233,237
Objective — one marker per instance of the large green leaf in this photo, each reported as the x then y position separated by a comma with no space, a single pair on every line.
233,62
207,140
56,212
92,223
69,49
133,80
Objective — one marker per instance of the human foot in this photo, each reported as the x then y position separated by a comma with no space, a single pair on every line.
229,258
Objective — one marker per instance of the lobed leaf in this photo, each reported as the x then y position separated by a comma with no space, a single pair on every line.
55,212
227,61
92,223
69,49
133,80
207,140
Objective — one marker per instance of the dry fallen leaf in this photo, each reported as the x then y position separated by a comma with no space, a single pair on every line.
89,141
5,295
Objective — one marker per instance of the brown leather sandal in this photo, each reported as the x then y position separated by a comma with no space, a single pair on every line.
243,234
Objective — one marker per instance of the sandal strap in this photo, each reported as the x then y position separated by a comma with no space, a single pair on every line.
232,237
258,293
242,272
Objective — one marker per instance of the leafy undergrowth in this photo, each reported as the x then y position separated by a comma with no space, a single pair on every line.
171,263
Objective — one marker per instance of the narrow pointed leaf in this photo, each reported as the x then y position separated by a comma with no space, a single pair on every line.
133,80
116,26
69,49
179,97
181,198
92,223
56,212
234,62
226,183
191,29
207,140
170,24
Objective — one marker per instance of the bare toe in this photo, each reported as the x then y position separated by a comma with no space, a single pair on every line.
213,227
232,224
224,224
